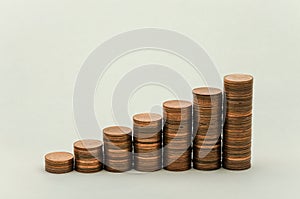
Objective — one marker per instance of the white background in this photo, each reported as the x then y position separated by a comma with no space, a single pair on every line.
44,43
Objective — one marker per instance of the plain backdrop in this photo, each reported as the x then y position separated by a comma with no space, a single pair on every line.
44,43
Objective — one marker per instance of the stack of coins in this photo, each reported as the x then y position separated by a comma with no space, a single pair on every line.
238,122
88,156
117,148
147,131
177,135
207,128
59,162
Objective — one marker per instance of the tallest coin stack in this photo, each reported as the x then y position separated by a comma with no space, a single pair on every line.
238,122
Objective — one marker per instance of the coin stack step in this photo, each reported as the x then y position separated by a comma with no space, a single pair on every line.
59,162
147,133
177,132
207,128
117,148
88,156
238,121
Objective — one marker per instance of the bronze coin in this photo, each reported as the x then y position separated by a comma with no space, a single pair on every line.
59,158
88,144
172,118
146,129
207,137
236,146
242,165
238,79
141,134
147,119
58,171
84,154
227,155
147,147
88,167
208,147
204,142
90,170
118,145
177,152
177,132
117,133
117,153
51,164
58,167
88,162
207,166
157,153
207,91
153,139
178,143
236,142
174,135
177,104
178,166
142,161
206,155
118,165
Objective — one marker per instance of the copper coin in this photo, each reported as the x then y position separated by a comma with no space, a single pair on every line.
207,91
152,139
178,166
59,157
146,130
117,133
147,119
177,104
238,78
207,166
118,165
88,144
58,171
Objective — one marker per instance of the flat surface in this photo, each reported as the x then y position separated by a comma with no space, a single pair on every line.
44,43
88,144
177,104
147,117
58,157
207,91
238,78
117,130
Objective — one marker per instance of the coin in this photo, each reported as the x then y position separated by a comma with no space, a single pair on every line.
88,144
117,133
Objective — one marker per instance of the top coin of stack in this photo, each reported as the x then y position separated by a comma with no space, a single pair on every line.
147,131
207,128
177,135
238,122
117,148
59,162
88,155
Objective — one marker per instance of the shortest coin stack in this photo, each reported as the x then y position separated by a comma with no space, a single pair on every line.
147,141
59,162
88,156
117,148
